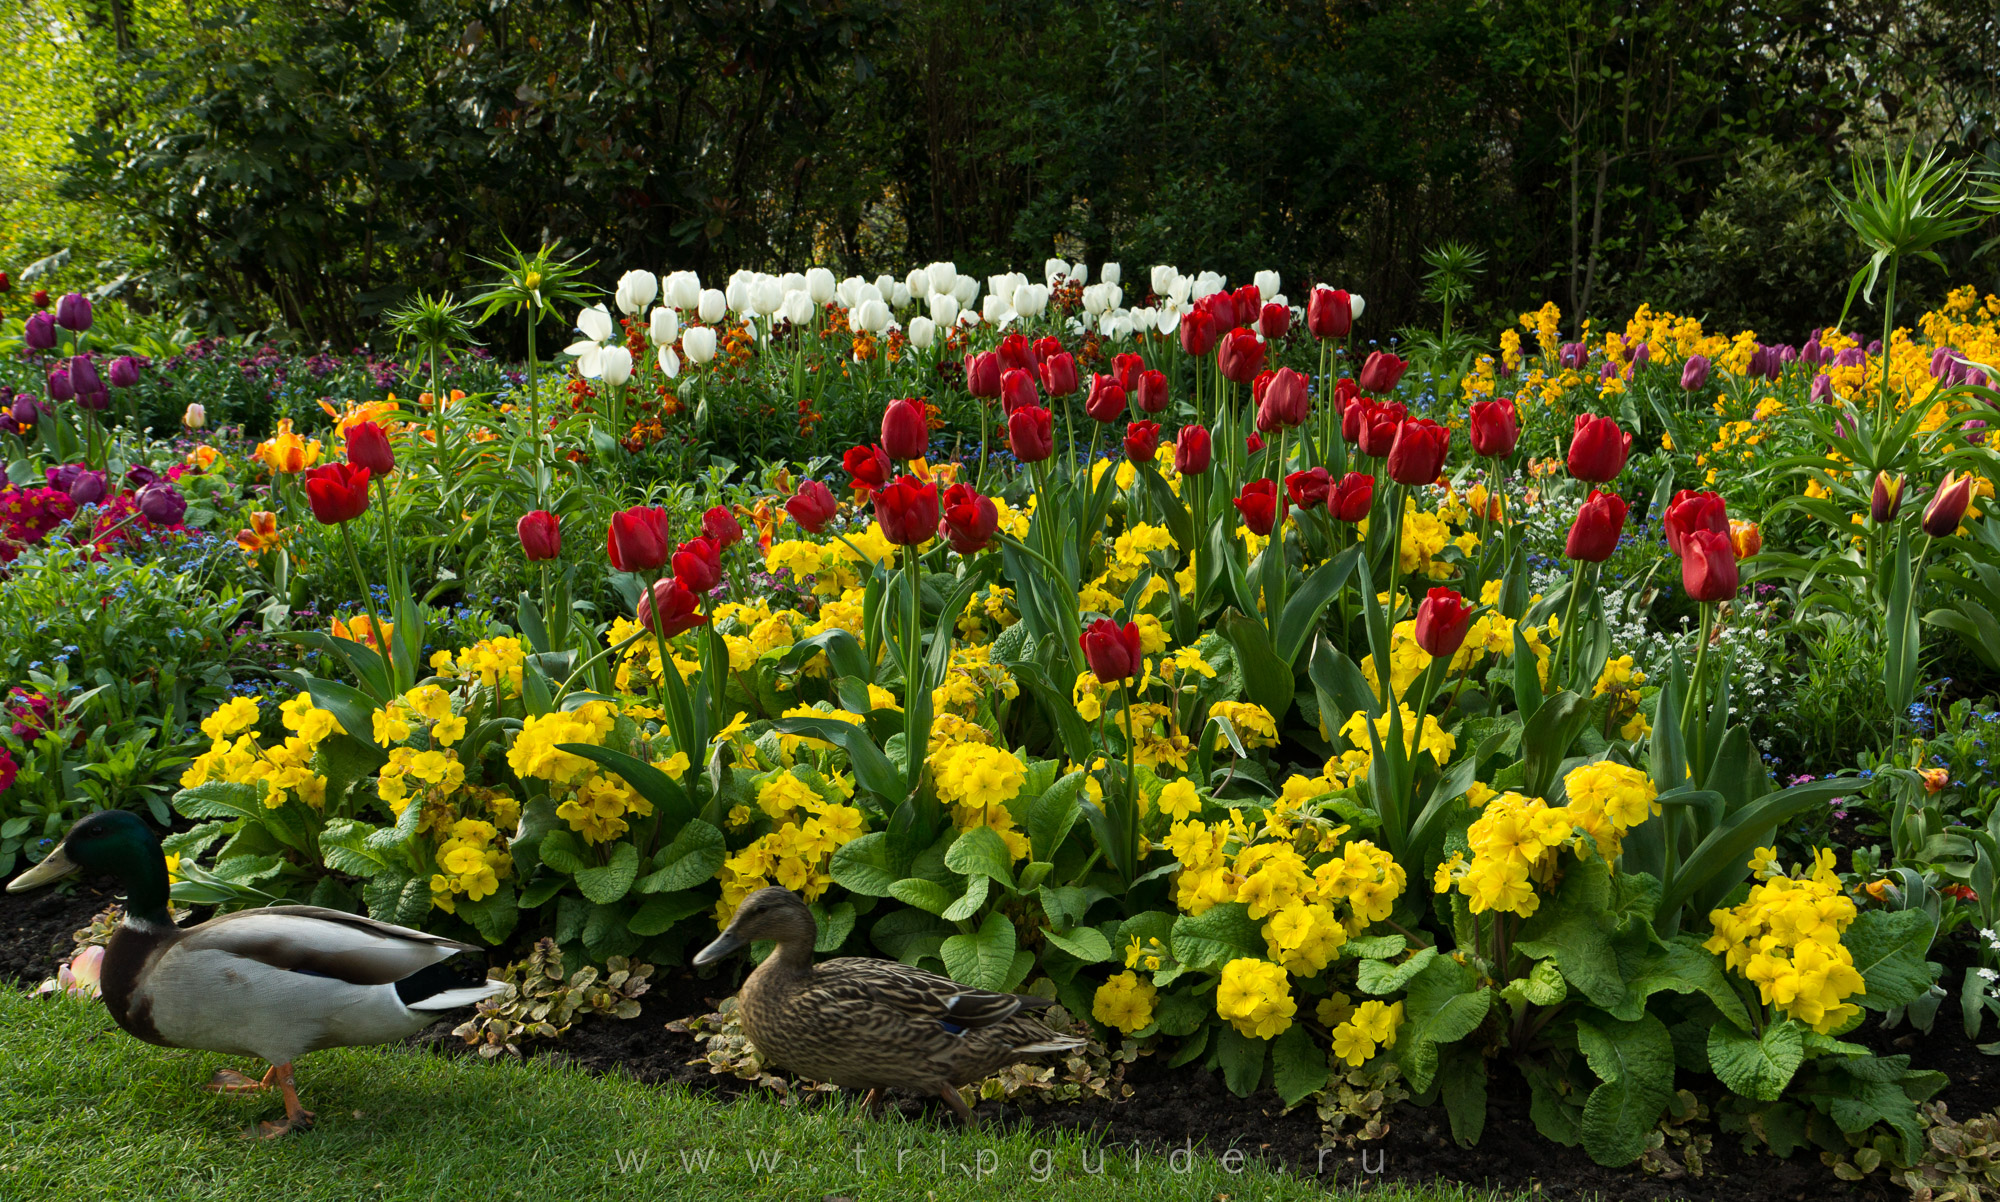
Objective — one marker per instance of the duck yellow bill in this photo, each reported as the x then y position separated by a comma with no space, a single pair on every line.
56,867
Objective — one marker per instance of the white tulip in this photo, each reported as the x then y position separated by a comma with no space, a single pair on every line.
1080,272
1267,284
1356,304
944,309
885,286
665,327
966,290
670,363
1110,273
699,343
1004,283
791,281
636,290
614,365
1170,318
922,333
900,298
595,325
1208,283
1163,279
996,311
872,315
819,285
1031,300
766,295
1094,301
799,309
712,305
1053,270
196,416
943,277
1116,324
918,282
1180,289
736,293
683,289
844,291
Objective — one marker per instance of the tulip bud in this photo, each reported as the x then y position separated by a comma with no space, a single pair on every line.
1593,536
1114,653
1694,373
1708,566
698,564
1690,511
83,375
1031,433
60,387
1417,456
907,510
1888,498
1192,451
1240,356
684,290
1059,375
1597,449
1948,505
713,305
967,521
812,507
40,297
905,432
1351,498
1106,403
1376,423
1381,372
124,371
1017,389
368,446
1198,332
1746,538
1329,313
614,366
88,488
540,534
699,343
1494,428
636,290
162,504
664,327
1284,405
639,539
1274,321
923,333
677,607
25,412
1442,620
1258,505
1142,440
73,312
40,334
982,374
721,527
1309,489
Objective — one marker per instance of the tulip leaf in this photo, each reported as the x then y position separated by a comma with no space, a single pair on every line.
1722,858
1267,680
839,647
872,769
1301,614
1546,738
1172,511
669,798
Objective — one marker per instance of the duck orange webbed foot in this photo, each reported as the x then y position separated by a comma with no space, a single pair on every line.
229,1081
297,1117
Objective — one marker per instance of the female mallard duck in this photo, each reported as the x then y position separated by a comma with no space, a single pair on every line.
871,1024
273,983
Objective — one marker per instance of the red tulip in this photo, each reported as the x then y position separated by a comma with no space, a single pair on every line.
1018,390
1598,449
1708,566
1310,488
1381,372
1253,444
1593,536
1016,354
982,374
1113,652
1192,451
1142,440
721,526
338,492
679,609
639,539
540,534
1284,404
1351,499
908,511
1417,455
1106,402
1494,427
1259,505
1220,306
1059,374
1329,312
905,433
968,519
698,564
1126,368
869,466
1046,348
368,446
1377,425
1948,505
1198,332
1151,391
1442,620
1690,511
1274,321
1247,300
1031,433
812,507
1240,356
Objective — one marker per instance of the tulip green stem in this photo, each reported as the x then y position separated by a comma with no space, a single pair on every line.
913,680
1131,824
367,598
1576,587
1697,687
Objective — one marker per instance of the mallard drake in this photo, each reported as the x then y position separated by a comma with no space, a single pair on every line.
871,1024
274,983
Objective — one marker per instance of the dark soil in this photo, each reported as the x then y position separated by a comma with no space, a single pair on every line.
1173,1107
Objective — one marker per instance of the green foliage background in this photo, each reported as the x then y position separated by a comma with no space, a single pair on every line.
304,163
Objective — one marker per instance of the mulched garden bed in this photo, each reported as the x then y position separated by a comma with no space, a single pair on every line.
1172,1107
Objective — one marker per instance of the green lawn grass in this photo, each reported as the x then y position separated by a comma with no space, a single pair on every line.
86,1111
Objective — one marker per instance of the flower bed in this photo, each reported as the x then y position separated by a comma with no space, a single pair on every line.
1350,726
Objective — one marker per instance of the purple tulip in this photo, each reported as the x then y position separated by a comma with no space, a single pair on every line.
1694,373
60,387
1812,352
1609,370
1787,354
73,312
1943,359
1822,388
124,371
1975,377
1875,347
83,375
41,332
139,476
8,425
1975,432
61,478
88,489
1572,354
162,504
25,411
1853,356
1642,354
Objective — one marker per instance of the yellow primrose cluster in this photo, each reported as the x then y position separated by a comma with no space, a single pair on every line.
1785,939
280,773
970,678
1126,1002
978,781
990,612
489,662
810,823
469,864
1491,633
1255,997
595,805
1515,837
834,566
1620,681
1370,1027
1254,724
